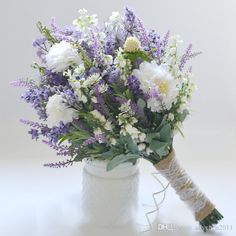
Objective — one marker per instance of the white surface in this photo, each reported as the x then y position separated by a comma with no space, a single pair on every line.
41,202
37,201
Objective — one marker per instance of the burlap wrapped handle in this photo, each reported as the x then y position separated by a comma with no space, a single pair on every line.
201,206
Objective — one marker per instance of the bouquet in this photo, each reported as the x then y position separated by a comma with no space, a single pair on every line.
116,92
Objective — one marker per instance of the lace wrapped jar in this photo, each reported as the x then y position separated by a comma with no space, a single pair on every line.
109,198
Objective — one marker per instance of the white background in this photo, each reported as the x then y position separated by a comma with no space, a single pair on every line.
31,195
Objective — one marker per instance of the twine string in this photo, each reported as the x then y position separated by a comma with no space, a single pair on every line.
157,205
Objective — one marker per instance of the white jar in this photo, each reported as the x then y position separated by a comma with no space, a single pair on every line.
109,198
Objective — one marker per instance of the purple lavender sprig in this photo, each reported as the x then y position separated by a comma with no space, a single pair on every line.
143,34
165,42
33,124
26,83
62,150
100,105
130,22
60,164
187,55
97,138
134,85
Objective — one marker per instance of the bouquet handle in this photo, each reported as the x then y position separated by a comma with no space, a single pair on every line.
204,210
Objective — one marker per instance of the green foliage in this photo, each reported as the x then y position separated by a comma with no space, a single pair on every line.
117,160
46,33
134,56
181,117
166,134
41,69
160,148
87,61
141,104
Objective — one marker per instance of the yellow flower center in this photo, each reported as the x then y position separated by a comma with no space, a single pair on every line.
163,87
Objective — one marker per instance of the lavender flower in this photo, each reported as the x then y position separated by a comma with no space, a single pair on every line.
60,164
33,124
143,34
185,57
134,85
130,22
62,150
23,83
34,133
67,33
110,45
100,105
155,45
37,97
97,138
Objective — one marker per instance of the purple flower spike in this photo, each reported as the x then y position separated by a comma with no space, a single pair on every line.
23,83
97,138
134,85
60,164
185,57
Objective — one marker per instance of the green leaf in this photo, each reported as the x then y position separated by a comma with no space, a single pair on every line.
117,160
160,148
46,32
132,146
133,56
182,116
166,134
163,122
141,103
151,136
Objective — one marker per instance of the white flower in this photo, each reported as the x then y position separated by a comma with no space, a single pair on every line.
132,44
102,88
61,56
94,99
108,126
132,131
115,16
122,64
108,60
114,22
148,151
91,80
85,21
57,110
112,141
171,117
158,83
97,115
141,146
97,131
142,137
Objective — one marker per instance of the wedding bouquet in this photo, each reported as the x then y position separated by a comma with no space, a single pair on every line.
116,92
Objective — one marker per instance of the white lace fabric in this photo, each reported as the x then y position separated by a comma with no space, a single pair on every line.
184,186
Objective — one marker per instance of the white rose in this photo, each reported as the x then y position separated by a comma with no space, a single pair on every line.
61,56
57,110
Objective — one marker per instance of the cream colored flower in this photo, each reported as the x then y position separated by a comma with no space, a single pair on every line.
132,44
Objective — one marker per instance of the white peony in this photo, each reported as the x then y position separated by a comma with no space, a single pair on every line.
61,56
57,110
159,84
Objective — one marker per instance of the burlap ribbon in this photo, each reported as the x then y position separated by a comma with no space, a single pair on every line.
184,186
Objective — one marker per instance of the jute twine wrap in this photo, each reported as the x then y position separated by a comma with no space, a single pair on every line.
185,187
